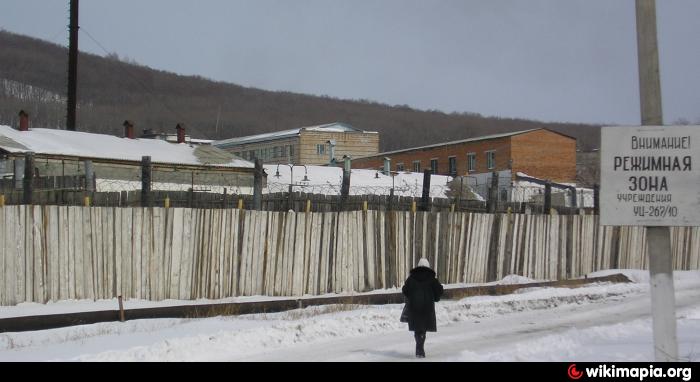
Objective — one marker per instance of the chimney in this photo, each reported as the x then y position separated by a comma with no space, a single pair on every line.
23,121
387,166
128,129
180,133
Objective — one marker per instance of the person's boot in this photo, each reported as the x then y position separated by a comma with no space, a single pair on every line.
420,341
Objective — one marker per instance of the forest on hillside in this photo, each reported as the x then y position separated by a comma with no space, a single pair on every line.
33,77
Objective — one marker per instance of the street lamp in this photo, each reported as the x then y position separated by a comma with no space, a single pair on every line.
291,174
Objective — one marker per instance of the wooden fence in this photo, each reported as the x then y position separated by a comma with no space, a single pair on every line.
281,202
50,253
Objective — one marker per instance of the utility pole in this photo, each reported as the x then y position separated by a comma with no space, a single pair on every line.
72,66
663,302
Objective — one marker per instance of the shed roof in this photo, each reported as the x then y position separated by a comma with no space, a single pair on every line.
109,147
336,127
475,139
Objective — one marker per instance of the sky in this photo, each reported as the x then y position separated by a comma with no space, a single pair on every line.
550,60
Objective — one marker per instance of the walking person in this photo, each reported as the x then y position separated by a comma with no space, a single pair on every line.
422,290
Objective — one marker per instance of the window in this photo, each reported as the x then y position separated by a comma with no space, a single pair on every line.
251,155
434,166
471,162
452,162
399,167
416,166
321,149
276,152
490,160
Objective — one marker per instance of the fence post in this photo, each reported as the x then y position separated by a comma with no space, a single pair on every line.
224,201
308,205
89,176
146,172
425,199
547,198
2,200
167,202
240,203
257,185
390,205
492,204
574,197
18,172
596,199
28,180
345,189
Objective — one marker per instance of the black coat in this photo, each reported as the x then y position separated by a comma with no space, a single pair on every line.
422,281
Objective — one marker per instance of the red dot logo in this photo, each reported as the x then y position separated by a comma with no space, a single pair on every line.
573,373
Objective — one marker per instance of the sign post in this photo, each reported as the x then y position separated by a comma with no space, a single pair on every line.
650,176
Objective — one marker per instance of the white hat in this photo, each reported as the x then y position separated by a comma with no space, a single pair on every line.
424,263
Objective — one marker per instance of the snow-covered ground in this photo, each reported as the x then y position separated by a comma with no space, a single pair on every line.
600,322
329,180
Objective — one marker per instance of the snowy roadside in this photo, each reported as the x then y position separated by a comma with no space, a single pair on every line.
233,338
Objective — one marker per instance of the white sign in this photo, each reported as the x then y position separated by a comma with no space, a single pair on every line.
650,176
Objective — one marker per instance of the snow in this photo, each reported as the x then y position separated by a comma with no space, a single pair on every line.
89,145
328,180
598,322
524,191
327,128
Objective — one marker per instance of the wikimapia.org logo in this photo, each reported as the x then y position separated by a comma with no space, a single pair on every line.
639,373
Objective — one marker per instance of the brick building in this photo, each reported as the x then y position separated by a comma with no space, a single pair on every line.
539,153
314,145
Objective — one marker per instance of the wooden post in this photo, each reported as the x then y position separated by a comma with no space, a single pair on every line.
146,173
663,306
364,206
574,199
413,206
223,202
308,205
18,173
290,198
167,201
452,207
240,203
2,200
257,185
547,198
596,199
28,180
345,188
72,103
492,203
390,206
89,176
425,198
86,201
121,309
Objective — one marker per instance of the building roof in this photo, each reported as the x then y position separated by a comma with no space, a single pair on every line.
109,147
336,127
475,139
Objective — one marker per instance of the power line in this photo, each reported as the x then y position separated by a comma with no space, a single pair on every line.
150,91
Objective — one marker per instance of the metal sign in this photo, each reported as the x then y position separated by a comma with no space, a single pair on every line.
650,176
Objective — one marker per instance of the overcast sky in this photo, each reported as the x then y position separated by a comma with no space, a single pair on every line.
551,60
